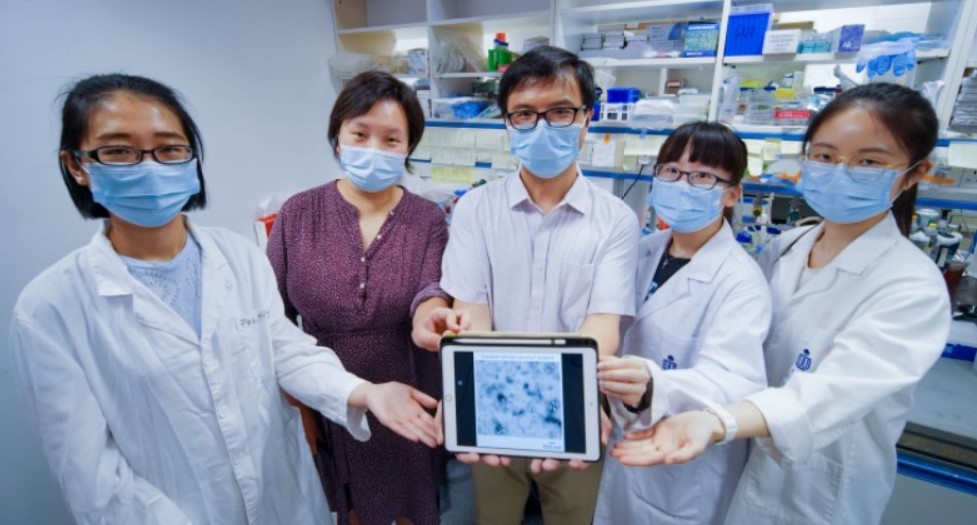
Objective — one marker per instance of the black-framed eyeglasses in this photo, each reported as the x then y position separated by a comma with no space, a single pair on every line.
127,155
526,119
697,179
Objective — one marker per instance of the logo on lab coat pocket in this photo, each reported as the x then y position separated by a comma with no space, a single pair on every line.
803,362
669,363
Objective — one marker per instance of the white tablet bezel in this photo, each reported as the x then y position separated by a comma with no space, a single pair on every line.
564,344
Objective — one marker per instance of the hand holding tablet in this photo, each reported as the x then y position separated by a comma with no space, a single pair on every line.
521,395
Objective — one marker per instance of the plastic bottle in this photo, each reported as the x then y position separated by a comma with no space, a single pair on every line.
499,55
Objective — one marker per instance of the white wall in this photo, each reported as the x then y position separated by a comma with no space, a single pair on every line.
255,75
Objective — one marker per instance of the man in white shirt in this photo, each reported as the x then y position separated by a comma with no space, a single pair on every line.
543,250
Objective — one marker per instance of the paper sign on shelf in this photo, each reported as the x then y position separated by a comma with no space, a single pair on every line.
504,161
790,147
463,174
604,154
962,155
755,165
421,153
463,139
490,139
441,156
463,157
754,146
650,145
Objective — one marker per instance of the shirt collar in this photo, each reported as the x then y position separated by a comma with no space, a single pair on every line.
578,197
109,270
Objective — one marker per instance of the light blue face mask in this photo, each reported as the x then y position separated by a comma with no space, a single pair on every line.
148,194
685,208
370,169
846,195
546,151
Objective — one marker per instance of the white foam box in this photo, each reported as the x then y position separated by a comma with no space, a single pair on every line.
781,41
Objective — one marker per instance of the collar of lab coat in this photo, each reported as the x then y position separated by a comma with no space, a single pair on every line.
862,253
578,197
701,269
112,278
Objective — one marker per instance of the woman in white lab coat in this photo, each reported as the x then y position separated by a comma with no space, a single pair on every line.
860,315
152,359
703,310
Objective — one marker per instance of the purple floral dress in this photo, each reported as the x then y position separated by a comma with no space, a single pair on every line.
360,305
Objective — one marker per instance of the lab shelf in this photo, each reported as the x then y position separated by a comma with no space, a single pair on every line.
469,74
402,31
514,22
643,63
821,58
631,11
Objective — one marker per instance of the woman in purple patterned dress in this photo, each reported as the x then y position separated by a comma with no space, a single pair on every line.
359,260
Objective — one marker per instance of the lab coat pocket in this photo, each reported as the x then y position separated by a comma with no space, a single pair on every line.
669,493
252,330
810,489
576,284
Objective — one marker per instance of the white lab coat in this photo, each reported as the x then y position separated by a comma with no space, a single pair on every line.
709,321
142,422
844,355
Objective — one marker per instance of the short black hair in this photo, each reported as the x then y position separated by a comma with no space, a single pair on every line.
360,94
547,63
905,113
711,143
79,102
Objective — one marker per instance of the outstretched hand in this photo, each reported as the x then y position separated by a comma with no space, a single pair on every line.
677,439
403,410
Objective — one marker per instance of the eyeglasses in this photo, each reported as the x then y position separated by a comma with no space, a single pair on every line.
525,119
821,162
697,179
127,156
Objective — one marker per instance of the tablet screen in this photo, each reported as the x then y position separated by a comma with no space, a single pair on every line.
520,400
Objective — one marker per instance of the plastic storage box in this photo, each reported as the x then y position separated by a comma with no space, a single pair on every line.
746,28
622,95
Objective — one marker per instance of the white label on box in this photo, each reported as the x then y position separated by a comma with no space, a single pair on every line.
781,41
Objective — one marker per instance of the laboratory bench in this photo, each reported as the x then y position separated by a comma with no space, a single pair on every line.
939,443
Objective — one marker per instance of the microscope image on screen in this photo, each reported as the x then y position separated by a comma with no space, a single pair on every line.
519,401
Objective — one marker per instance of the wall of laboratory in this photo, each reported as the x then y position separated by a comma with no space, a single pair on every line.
255,74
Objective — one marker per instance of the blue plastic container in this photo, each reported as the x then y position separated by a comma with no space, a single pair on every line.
623,95
746,29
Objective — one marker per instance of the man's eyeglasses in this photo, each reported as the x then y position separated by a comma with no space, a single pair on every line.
525,119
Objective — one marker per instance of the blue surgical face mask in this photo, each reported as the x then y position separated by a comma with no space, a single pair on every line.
369,169
846,195
546,151
685,208
148,194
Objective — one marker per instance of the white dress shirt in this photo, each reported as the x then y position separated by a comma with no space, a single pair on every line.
542,272
141,421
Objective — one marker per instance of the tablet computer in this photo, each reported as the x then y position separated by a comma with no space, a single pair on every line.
521,395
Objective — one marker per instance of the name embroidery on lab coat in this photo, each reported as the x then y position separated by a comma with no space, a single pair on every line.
254,319
669,363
